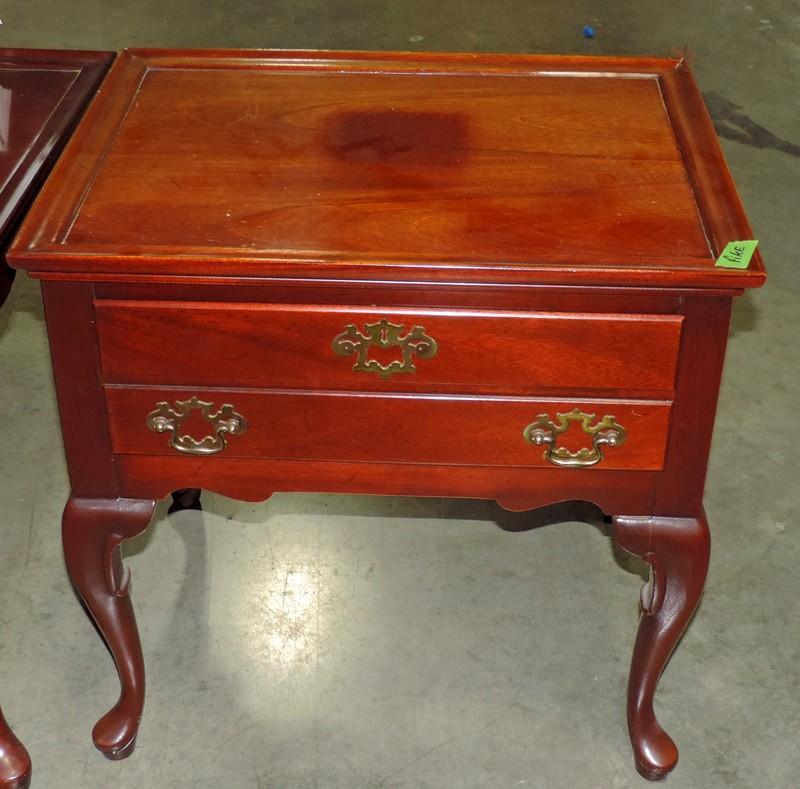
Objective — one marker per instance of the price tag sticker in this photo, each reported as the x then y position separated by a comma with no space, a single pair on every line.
737,254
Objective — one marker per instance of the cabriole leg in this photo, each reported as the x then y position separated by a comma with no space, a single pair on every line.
677,551
93,530
15,764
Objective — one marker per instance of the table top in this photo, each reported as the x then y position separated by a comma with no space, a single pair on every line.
567,170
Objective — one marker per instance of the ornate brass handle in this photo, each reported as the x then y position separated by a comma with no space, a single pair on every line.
545,432
384,335
167,418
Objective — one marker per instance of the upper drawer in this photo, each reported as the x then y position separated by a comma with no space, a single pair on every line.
393,349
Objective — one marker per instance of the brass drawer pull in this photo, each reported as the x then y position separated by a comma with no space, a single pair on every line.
545,432
167,418
384,335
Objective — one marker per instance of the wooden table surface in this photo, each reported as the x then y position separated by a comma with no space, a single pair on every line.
533,168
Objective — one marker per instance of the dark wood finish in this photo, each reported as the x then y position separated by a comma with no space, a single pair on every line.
677,551
42,95
552,222
93,530
15,764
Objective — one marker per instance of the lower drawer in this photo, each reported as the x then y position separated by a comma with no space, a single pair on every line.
350,427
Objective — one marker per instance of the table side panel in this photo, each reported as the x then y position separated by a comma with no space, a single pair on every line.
69,312
702,354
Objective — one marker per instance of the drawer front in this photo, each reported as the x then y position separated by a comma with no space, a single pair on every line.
393,350
347,427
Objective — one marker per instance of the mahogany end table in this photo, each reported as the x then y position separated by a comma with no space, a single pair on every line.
42,94
413,274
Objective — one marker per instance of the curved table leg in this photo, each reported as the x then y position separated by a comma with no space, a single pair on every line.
677,551
15,764
185,499
93,530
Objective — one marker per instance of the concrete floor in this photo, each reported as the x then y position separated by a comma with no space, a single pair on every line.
365,642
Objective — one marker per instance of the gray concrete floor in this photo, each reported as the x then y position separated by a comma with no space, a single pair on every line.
332,641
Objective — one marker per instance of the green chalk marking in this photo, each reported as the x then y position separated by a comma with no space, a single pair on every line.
737,254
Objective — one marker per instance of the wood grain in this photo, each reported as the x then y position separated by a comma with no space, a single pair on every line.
478,431
317,163
479,351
